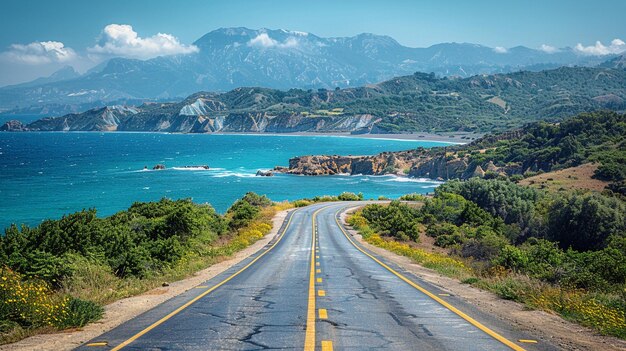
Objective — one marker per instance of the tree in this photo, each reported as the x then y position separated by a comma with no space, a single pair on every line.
585,222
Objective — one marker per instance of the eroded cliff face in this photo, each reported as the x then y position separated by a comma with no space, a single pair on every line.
384,163
434,164
119,118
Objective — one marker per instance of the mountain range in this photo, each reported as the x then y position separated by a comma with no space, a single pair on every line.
229,58
414,103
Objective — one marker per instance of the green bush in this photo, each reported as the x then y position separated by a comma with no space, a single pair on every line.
512,257
412,197
483,249
346,196
393,219
80,313
586,222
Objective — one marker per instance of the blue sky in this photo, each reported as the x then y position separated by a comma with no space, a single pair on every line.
79,25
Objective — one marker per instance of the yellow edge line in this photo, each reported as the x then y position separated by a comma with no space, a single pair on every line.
309,338
471,320
93,344
189,303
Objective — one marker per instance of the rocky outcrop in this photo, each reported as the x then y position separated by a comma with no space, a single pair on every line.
384,163
434,164
261,173
13,126
440,168
320,165
159,167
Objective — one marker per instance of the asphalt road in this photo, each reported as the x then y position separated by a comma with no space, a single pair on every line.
313,287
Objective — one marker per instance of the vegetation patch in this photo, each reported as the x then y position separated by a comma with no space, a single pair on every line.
561,252
59,274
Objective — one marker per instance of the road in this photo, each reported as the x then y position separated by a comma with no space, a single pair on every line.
313,287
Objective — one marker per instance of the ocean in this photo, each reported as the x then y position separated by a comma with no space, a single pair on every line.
46,175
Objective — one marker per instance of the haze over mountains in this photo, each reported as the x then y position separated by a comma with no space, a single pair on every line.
228,58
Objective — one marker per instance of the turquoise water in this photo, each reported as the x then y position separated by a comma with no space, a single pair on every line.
45,175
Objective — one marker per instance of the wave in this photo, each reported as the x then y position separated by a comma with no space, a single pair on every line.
413,180
235,174
199,168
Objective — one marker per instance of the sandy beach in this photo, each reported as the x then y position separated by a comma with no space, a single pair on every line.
451,137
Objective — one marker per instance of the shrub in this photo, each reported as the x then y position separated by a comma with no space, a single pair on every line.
483,249
413,197
585,222
79,313
301,203
346,196
512,257
242,213
393,218
29,303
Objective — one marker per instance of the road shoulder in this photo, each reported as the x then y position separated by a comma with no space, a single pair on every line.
125,309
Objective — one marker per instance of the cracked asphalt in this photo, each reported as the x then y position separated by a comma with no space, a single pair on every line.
264,305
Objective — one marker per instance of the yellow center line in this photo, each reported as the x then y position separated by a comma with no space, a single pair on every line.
309,337
321,292
471,320
327,345
323,313
208,291
318,271
319,280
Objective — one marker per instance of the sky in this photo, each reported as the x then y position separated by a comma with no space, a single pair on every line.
38,37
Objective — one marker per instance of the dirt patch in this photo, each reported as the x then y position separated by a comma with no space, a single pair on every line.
544,326
579,177
496,100
123,310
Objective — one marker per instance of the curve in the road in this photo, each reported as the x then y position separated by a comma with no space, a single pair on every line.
354,300
471,320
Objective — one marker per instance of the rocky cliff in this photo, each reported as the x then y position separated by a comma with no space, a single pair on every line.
417,164
122,118
442,163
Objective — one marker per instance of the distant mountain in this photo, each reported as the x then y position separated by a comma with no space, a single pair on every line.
618,62
65,73
415,103
233,57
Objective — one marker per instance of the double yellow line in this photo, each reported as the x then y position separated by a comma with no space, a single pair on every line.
309,338
469,319
208,291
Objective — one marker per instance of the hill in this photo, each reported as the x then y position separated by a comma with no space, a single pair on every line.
539,147
415,103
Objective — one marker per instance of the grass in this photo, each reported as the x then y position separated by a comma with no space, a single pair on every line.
573,178
600,311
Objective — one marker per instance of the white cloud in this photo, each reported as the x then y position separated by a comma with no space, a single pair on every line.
38,53
500,50
122,40
263,40
617,46
548,49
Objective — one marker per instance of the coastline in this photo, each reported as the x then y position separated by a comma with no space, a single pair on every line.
456,138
